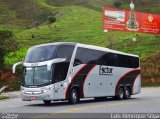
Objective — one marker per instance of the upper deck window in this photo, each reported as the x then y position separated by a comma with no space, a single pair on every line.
39,54
65,51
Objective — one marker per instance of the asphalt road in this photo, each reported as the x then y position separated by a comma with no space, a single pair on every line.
148,101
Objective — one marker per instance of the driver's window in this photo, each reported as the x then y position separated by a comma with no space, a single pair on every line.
60,71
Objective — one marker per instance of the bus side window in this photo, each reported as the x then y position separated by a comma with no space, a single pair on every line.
111,59
65,51
122,61
96,57
88,56
135,62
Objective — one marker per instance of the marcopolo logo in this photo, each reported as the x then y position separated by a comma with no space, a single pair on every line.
105,70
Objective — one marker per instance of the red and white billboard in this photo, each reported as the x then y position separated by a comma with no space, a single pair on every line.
116,19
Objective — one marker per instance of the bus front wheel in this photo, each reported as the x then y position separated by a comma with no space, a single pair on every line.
73,97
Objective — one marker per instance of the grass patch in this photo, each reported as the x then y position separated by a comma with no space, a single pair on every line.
44,4
3,97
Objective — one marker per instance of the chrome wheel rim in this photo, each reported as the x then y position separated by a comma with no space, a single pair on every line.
74,96
127,93
121,94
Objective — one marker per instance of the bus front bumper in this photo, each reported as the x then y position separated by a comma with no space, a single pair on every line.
30,96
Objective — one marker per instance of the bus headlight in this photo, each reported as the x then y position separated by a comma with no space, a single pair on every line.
44,90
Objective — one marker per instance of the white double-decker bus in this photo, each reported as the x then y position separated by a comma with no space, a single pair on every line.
70,71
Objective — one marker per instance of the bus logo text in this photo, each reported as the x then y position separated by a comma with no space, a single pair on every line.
104,70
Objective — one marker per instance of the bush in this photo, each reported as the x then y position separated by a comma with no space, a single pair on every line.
51,19
16,84
13,57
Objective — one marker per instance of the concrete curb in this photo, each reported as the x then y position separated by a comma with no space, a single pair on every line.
15,94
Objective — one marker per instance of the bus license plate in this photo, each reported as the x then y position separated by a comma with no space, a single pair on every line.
33,98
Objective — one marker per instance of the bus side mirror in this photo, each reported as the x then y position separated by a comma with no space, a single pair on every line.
49,65
14,67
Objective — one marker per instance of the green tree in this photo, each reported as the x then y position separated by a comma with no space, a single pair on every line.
7,44
16,56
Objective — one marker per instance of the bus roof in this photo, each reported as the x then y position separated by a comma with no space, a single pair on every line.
55,43
86,46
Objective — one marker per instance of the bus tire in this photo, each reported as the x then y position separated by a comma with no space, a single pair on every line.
127,93
73,97
121,93
47,102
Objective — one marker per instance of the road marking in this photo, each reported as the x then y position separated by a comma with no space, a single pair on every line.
95,107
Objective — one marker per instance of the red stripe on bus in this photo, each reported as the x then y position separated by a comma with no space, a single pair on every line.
124,76
72,79
86,78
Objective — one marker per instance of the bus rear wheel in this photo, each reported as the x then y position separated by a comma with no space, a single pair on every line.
127,93
121,93
73,97
47,102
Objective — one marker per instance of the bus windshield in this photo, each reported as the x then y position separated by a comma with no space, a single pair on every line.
37,76
40,54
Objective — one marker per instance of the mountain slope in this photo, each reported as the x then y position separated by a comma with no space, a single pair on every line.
18,15
79,24
74,23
